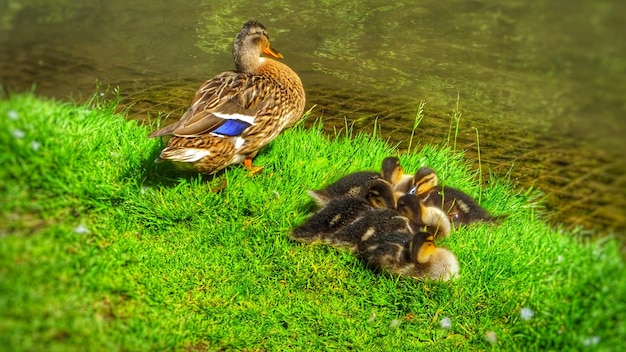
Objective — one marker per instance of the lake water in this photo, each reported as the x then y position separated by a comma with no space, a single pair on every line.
543,82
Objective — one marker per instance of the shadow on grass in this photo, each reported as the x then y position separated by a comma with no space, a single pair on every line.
164,174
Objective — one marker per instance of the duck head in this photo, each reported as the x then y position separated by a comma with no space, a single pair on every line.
249,43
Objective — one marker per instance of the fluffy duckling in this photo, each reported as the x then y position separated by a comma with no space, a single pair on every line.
414,256
342,211
435,220
460,208
393,173
356,184
369,226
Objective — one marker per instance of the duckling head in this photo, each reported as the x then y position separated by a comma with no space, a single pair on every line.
380,194
434,218
424,180
422,247
409,206
391,170
435,263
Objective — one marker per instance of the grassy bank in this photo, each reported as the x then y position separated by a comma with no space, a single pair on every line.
103,249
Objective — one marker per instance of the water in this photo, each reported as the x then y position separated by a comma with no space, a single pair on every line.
543,83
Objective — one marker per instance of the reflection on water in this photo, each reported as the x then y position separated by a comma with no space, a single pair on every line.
542,81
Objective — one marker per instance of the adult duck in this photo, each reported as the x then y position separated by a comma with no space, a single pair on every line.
236,113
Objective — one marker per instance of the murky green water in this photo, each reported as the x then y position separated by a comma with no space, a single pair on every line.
544,82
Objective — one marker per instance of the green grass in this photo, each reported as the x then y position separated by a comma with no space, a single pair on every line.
102,249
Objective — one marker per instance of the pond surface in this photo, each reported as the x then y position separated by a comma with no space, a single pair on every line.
543,83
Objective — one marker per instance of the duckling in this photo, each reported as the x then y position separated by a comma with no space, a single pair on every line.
433,262
356,184
432,217
460,208
369,226
393,173
414,256
342,211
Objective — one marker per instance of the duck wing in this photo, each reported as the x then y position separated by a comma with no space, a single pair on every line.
226,104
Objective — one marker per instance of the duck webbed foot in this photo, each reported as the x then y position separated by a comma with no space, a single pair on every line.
253,170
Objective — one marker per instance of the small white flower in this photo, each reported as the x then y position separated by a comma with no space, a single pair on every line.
591,341
35,145
395,322
446,323
491,337
81,229
12,114
372,318
18,133
559,259
526,313
144,189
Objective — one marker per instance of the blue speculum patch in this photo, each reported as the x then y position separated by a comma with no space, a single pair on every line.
232,128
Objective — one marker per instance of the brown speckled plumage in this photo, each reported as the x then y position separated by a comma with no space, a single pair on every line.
263,97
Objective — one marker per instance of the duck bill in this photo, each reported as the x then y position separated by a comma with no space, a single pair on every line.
273,53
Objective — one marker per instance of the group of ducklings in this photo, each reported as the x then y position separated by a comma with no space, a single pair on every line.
391,219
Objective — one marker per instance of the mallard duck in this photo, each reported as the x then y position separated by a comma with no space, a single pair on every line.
236,113
460,208
435,220
356,184
415,256
342,211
